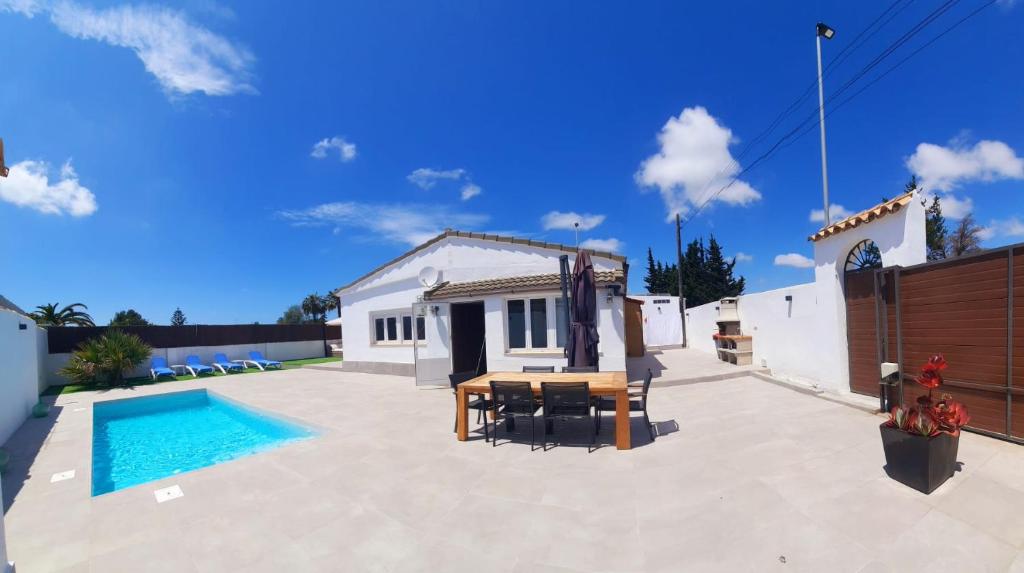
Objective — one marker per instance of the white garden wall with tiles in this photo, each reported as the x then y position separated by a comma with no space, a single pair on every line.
463,259
805,340
271,350
19,371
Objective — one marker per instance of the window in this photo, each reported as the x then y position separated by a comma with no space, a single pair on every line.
538,323
395,328
561,326
421,327
407,327
517,324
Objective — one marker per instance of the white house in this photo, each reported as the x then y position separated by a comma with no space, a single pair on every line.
463,301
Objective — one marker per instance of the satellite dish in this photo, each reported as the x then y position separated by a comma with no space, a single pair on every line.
429,276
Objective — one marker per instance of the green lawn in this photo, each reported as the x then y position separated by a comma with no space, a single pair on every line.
147,381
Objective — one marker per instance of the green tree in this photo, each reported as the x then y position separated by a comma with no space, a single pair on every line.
936,236
293,315
313,307
965,239
128,318
653,276
329,302
51,315
707,274
178,318
106,359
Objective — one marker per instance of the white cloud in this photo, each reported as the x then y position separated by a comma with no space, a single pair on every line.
426,178
184,57
410,224
945,168
470,190
743,257
793,260
694,163
567,221
953,207
610,245
24,7
986,233
835,213
346,150
28,185
1011,228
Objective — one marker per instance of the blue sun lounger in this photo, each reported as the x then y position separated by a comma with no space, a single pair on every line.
158,367
195,367
221,362
257,359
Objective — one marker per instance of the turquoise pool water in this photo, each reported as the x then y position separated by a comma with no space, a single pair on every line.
139,440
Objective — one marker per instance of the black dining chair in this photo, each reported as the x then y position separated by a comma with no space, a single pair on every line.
564,401
512,400
539,369
476,401
579,369
637,403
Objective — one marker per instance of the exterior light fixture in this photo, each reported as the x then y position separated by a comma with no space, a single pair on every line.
825,32
789,298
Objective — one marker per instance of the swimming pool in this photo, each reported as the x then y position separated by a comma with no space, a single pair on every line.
138,440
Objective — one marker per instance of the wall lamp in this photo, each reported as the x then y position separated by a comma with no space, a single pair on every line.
789,298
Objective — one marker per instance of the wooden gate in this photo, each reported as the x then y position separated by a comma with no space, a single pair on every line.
965,308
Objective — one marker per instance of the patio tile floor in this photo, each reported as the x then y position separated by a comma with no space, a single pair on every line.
746,476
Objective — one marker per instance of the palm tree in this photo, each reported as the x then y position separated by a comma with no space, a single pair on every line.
50,315
965,238
313,306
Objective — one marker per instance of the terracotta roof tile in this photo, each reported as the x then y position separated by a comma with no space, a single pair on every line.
511,285
864,217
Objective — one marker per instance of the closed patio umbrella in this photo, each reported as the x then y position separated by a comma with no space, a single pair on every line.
583,338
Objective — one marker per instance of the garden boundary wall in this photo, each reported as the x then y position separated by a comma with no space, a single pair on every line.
22,355
275,341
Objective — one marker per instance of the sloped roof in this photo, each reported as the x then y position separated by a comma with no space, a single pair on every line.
864,217
6,304
512,285
485,237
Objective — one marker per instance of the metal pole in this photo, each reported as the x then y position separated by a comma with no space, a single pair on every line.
563,268
821,122
679,277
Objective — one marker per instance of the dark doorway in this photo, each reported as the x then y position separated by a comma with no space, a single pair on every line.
469,350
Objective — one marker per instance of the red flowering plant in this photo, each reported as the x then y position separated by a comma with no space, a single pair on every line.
930,417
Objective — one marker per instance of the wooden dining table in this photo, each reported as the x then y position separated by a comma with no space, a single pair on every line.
601,384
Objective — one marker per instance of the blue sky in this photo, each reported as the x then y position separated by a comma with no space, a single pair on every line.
231,158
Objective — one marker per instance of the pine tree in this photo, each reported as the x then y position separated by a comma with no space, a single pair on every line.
178,318
935,231
652,279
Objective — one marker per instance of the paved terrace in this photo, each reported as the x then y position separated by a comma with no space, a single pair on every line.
746,476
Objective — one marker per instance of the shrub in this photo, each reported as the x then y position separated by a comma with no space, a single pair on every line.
106,359
930,418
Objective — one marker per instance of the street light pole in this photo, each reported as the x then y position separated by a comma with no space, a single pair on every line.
826,32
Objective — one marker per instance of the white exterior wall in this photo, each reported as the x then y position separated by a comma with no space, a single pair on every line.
271,351
901,239
463,259
805,340
701,325
662,324
19,371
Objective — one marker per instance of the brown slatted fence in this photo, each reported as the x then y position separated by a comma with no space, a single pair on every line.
970,309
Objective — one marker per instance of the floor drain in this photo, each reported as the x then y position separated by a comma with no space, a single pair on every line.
168,493
70,474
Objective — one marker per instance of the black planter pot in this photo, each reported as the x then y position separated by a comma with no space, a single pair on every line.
917,461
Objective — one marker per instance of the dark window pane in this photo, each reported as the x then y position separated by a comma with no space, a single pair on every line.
539,322
392,328
561,327
378,326
406,328
516,324
421,327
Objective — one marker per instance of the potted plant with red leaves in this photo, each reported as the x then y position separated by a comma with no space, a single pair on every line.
921,441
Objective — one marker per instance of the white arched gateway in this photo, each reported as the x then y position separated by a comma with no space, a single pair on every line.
889,234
